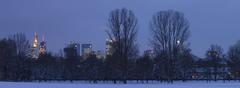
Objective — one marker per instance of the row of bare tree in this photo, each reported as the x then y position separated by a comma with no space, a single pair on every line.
172,58
170,31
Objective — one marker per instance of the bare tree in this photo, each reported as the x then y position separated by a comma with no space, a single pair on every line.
215,57
23,52
185,64
170,30
22,45
123,30
234,60
8,66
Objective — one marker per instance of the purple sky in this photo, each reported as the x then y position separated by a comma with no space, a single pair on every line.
84,21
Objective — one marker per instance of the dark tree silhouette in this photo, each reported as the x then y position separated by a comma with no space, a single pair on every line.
185,64
144,68
71,63
234,60
8,60
44,68
170,30
109,69
93,68
123,30
215,57
23,51
22,45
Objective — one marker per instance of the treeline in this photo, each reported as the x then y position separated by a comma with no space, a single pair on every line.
171,60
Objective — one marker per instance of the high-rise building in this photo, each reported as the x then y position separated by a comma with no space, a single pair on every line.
72,49
86,50
77,46
38,49
43,47
109,47
35,46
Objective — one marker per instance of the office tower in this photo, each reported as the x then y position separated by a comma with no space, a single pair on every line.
72,50
86,50
43,47
35,46
109,47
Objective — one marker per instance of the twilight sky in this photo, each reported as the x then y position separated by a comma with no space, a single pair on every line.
84,21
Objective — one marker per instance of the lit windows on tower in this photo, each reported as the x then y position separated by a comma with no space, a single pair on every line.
109,47
43,47
38,49
86,50
35,46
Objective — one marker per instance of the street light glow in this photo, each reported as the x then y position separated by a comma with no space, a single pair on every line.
178,41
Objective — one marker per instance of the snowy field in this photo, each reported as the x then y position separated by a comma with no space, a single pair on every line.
192,84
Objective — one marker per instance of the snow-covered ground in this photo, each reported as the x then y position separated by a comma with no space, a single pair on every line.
192,84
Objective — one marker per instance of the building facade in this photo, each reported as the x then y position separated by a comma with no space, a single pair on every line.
42,47
86,50
109,47
72,50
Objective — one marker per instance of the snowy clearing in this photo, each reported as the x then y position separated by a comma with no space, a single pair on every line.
192,84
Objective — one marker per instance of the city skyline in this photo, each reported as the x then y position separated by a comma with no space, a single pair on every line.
61,22
120,43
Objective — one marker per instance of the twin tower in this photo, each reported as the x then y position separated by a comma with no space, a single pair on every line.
38,48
